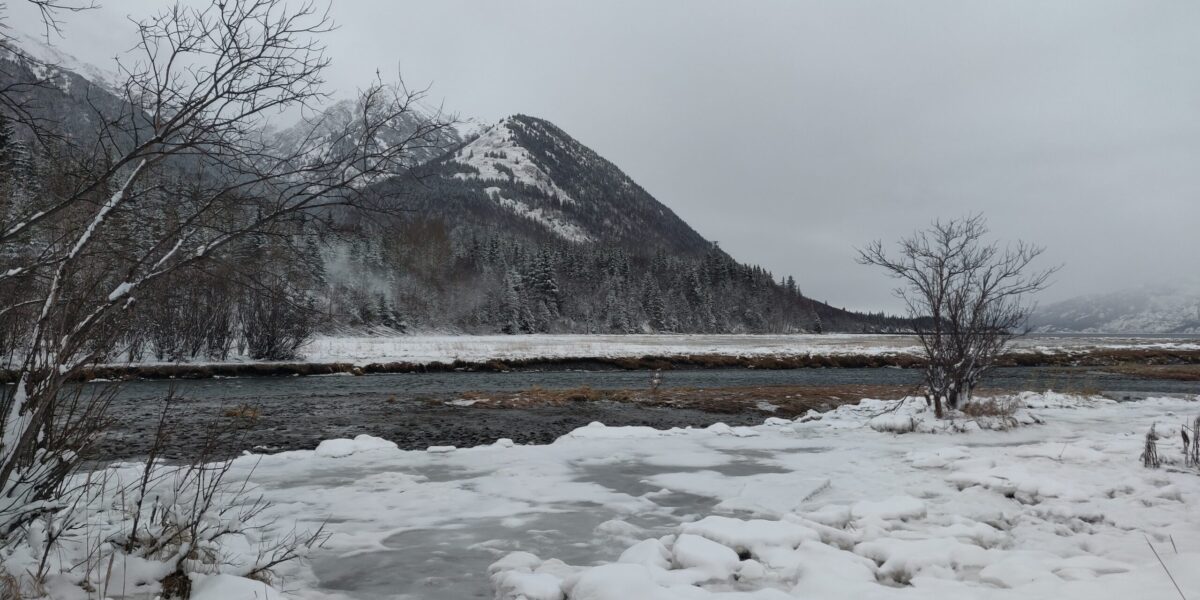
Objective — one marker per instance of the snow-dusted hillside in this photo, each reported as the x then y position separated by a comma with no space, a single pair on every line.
498,157
534,171
53,63
72,96
1168,308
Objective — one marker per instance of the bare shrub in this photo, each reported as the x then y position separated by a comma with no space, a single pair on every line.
243,412
40,488
1191,443
1195,454
178,515
10,587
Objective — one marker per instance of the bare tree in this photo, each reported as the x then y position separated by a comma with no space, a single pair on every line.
86,249
51,13
967,299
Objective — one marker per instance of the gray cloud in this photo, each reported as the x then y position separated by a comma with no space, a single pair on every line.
793,131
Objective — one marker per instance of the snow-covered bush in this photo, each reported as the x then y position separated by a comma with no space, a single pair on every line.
148,529
914,415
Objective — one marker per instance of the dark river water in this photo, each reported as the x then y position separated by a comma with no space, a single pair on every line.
411,408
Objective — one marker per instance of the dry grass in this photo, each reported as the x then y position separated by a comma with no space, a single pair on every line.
539,396
1101,357
1150,458
990,407
243,412
788,401
1190,372
1191,443
9,586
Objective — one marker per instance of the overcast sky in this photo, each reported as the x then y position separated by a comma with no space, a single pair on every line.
793,131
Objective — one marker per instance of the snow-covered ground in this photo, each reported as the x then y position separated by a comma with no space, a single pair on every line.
447,348
830,507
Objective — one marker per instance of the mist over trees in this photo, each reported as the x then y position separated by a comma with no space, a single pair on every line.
481,280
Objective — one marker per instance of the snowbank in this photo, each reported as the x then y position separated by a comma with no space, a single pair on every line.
1061,510
826,506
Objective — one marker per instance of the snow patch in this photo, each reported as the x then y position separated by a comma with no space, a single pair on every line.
495,153
341,448
550,219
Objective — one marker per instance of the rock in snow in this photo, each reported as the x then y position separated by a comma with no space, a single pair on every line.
616,582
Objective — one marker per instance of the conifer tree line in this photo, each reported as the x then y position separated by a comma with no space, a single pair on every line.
426,275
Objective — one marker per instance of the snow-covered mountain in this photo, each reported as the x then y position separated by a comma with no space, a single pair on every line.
524,228
514,226
49,61
1165,308
70,95
531,169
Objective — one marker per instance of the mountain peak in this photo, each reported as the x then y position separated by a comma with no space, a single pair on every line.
531,168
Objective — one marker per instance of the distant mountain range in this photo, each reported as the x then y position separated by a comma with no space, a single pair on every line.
1166,308
513,227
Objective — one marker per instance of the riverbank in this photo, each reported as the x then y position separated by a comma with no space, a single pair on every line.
1088,357
496,354
419,410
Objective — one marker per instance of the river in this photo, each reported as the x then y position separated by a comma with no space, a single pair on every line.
417,410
